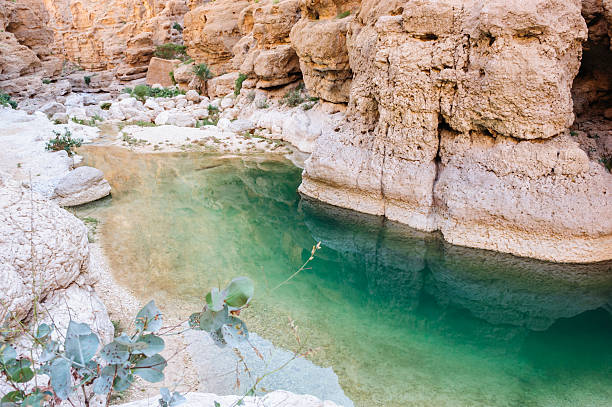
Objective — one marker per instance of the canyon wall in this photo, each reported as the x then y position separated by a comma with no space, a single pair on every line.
458,121
486,120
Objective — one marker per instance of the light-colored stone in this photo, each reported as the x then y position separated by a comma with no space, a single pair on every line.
82,185
273,399
193,96
220,86
52,108
43,248
445,102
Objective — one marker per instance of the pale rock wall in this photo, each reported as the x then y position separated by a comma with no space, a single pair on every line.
457,120
43,250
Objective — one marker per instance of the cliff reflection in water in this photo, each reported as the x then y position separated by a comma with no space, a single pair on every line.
496,287
403,317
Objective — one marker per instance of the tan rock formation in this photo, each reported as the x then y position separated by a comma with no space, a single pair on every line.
265,52
21,33
109,34
159,71
211,31
319,39
442,95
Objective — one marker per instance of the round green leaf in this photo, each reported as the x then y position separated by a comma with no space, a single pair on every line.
239,292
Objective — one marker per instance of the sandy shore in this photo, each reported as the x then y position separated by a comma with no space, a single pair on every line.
122,307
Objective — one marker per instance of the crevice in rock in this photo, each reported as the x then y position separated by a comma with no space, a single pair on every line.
592,96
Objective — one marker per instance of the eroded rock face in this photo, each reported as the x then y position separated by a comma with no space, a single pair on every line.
265,52
456,122
319,39
41,244
211,31
105,35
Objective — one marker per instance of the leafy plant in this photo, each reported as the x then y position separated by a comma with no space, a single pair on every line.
607,162
293,98
77,360
343,14
87,80
46,81
202,71
171,75
5,100
262,103
63,142
238,84
91,122
177,27
171,51
141,92
105,105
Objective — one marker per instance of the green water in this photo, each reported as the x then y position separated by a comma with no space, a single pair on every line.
402,317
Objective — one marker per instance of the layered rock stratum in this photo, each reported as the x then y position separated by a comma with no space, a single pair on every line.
486,120
458,121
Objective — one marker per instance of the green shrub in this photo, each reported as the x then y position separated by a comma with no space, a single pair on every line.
293,98
343,15
91,122
171,51
607,162
141,92
202,71
238,84
63,142
262,103
87,80
105,105
171,75
5,100
177,27
46,81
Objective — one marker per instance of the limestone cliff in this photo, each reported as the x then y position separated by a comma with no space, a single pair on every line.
211,31
458,121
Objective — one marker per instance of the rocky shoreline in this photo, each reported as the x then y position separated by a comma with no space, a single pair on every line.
83,293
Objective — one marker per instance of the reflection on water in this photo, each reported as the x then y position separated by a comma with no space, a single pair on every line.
403,317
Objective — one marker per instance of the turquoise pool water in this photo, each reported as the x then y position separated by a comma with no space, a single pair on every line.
402,317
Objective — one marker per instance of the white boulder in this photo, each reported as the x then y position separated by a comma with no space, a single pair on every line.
82,185
193,96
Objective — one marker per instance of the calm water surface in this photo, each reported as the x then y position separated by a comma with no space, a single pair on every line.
402,317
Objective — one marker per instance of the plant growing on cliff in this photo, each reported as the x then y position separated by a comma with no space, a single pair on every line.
238,84
607,163
5,100
177,27
87,79
293,98
78,366
63,142
171,51
202,72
